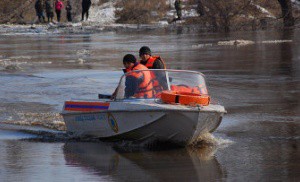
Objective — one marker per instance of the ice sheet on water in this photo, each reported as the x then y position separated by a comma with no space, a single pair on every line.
17,63
242,42
275,41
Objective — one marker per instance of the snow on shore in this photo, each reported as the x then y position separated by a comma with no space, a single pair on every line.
102,17
103,14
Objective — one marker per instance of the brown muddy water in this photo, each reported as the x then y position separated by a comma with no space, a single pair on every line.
258,83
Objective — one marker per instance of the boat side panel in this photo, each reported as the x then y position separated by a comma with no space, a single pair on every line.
176,127
87,124
172,127
106,124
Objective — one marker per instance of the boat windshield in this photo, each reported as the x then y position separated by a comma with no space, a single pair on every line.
148,84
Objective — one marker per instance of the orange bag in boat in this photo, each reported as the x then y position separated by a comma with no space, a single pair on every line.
184,98
183,88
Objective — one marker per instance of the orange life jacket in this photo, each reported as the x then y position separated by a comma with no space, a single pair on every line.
145,89
151,61
149,64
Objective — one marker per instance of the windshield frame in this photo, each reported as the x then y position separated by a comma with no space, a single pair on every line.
167,71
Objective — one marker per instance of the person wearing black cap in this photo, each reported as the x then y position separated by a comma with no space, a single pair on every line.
151,62
137,84
154,62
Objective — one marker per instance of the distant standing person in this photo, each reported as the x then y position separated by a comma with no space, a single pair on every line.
39,8
58,7
69,11
86,4
178,7
49,10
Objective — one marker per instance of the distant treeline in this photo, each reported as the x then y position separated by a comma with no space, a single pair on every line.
219,15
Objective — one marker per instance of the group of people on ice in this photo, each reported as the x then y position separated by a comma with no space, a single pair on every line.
49,6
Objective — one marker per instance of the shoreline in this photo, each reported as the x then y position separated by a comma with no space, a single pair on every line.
91,28
94,27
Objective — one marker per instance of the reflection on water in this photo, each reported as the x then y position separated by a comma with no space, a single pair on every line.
170,165
285,65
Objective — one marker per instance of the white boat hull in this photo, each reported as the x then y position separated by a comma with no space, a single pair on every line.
176,125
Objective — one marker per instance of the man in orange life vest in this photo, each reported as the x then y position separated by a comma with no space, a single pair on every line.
137,84
151,62
154,62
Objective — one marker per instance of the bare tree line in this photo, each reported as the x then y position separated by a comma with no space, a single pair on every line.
5,17
287,12
220,14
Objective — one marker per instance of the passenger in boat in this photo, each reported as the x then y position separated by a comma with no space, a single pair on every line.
151,62
137,84
154,62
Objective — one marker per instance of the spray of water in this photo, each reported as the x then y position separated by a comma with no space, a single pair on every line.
47,120
209,139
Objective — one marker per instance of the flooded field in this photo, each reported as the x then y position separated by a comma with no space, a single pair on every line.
258,82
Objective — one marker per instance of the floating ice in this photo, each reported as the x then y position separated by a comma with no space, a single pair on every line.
236,42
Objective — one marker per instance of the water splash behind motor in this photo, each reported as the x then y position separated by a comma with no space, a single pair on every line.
208,139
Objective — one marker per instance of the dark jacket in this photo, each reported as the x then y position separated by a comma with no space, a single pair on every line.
178,5
68,8
86,4
49,7
39,6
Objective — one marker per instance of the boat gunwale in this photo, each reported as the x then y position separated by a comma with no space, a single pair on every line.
154,110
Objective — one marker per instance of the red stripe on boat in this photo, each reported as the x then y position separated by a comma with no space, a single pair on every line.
86,106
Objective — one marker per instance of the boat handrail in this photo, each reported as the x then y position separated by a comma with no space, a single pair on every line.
168,70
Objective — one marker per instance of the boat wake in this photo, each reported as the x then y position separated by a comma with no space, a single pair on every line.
207,144
40,126
46,120
35,132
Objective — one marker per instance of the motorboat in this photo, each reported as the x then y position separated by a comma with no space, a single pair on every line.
179,113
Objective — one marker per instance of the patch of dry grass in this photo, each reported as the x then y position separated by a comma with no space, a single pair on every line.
238,14
23,11
140,11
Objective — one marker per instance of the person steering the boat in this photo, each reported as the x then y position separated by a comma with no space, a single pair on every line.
137,84
154,62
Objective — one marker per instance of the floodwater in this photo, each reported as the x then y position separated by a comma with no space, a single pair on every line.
258,83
